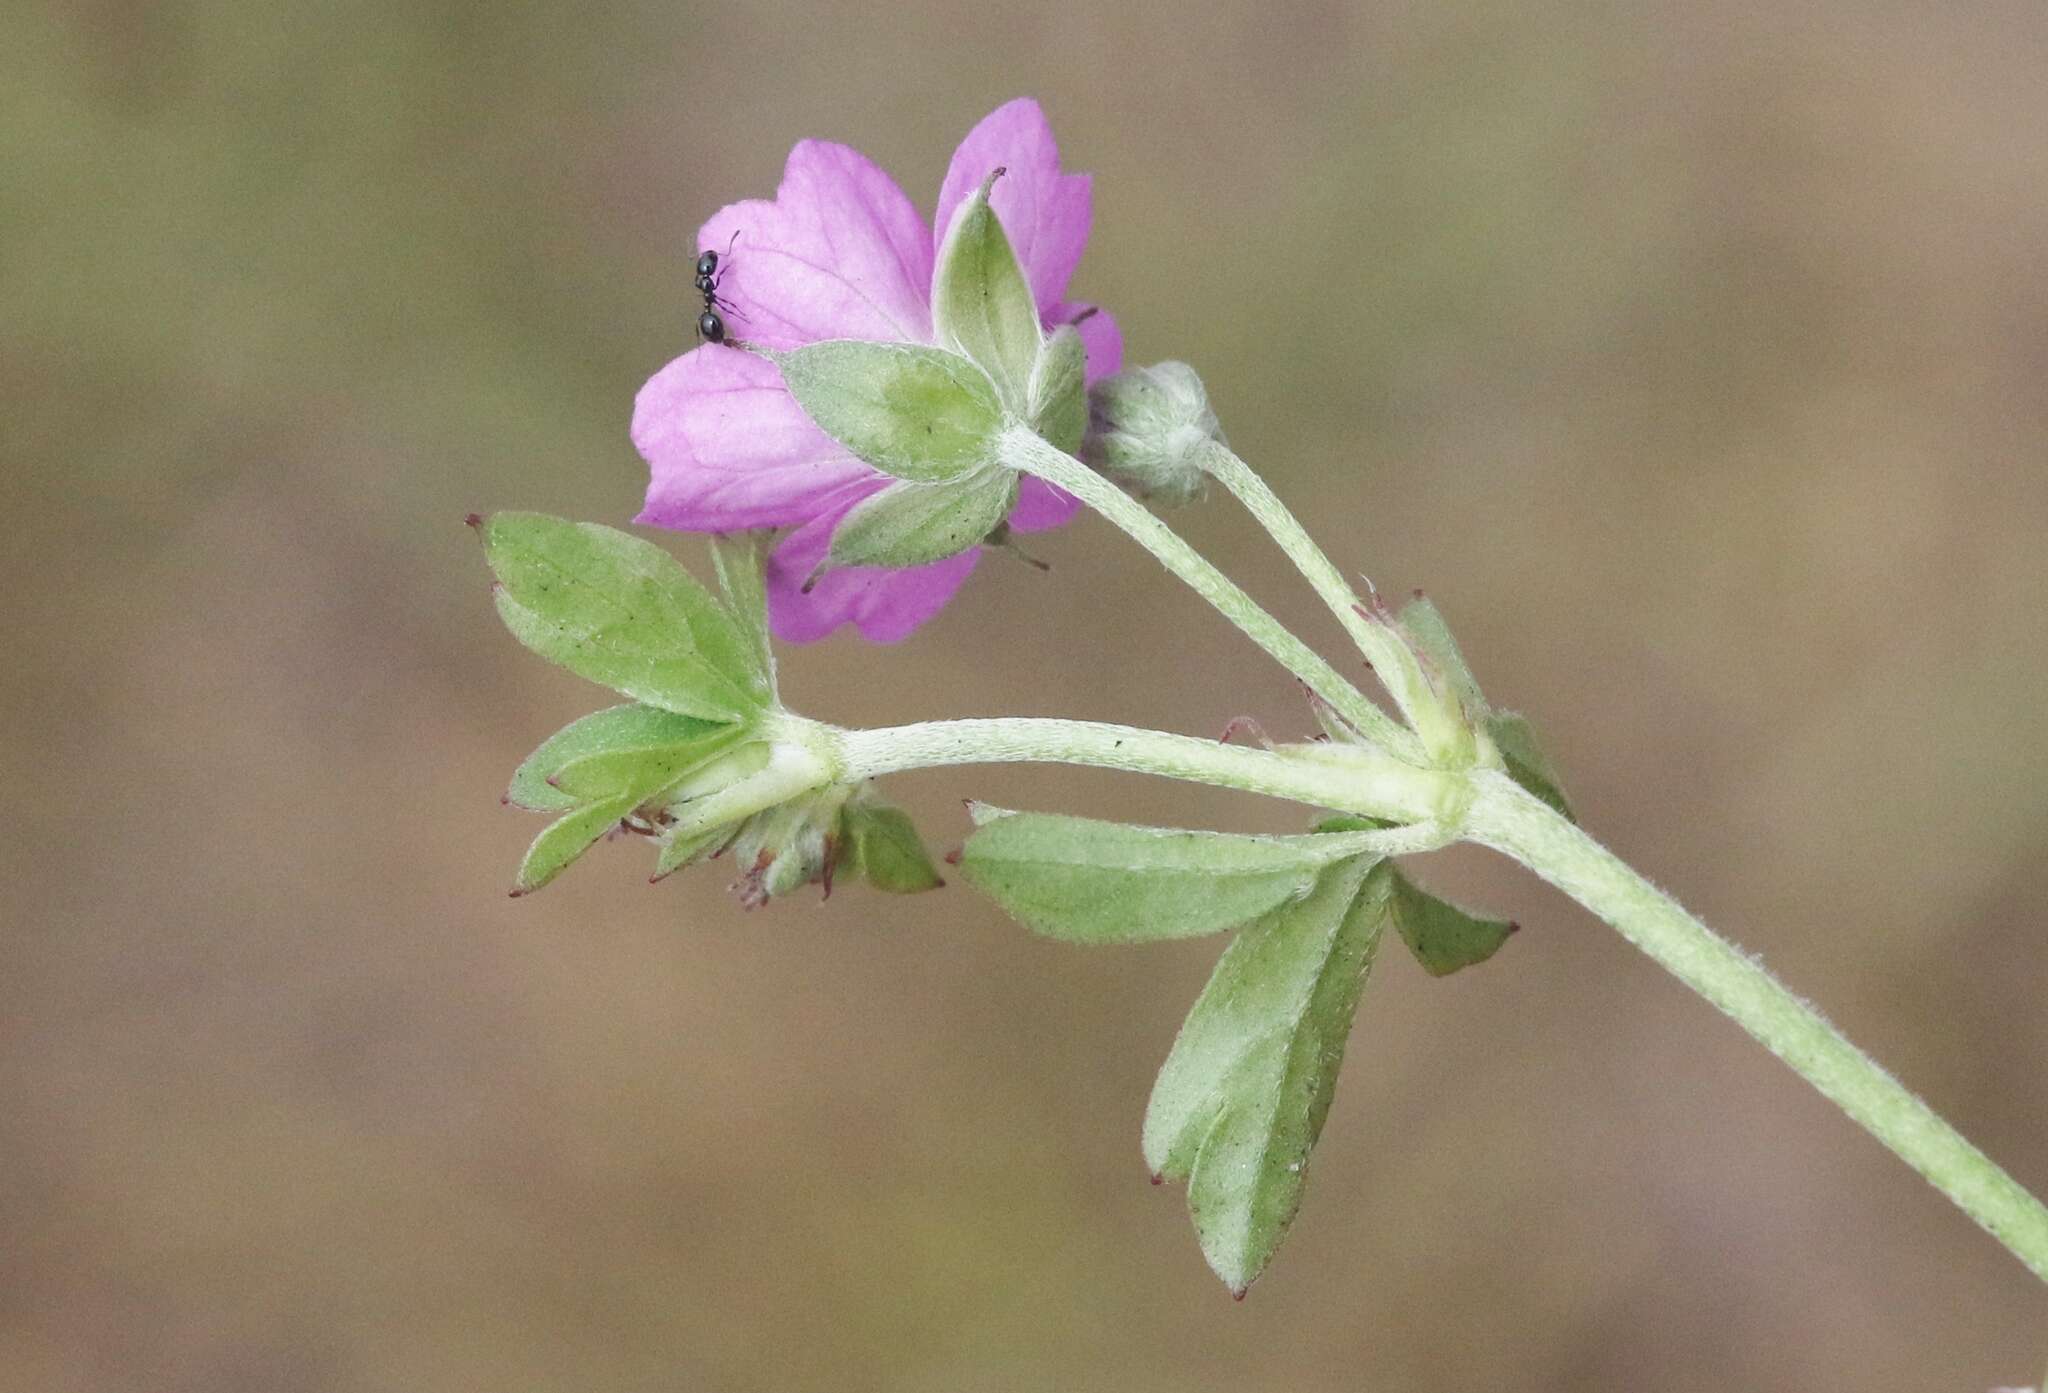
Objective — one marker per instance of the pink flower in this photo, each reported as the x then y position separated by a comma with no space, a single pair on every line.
842,254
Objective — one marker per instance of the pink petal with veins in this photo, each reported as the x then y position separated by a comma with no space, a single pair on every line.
840,254
1101,339
728,448
885,606
1044,212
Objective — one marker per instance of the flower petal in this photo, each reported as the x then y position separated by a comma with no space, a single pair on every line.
1046,213
1041,507
840,254
1101,339
728,448
885,606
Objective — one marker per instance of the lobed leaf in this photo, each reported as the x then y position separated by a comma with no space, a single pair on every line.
1104,882
617,729
1442,936
643,773
622,612
565,839
883,848
1242,1098
740,560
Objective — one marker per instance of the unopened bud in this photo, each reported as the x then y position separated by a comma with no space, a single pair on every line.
789,846
841,828
1148,430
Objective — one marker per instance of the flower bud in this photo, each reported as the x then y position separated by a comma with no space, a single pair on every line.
789,846
841,828
1148,429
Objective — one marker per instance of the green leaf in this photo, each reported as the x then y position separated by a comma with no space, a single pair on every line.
741,561
910,524
681,847
1442,936
1058,395
621,612
1426,630
1243,1096
883,848
1527,765
1105,882
981,303
910,411
640,773
618,728
565,839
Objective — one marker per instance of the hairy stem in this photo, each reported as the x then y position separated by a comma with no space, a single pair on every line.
1352,779
1509,820
1022,449
1389,657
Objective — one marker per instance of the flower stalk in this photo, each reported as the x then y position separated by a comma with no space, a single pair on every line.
1021,449
1394,664
1353,780
1512,822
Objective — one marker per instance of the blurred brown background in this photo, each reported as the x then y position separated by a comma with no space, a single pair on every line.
1690,354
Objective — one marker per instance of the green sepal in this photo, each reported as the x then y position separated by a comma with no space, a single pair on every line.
882,847
981,303
909,524
621,612
629,727
1526,762
910,411
1086,881
1057,406
1243,1096
565,839
1442,936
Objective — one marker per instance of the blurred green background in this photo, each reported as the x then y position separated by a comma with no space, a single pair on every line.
1692,355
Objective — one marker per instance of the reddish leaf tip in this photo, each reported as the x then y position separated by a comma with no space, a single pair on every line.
1239,1293
1158,1179
475,520
952,858
1514,926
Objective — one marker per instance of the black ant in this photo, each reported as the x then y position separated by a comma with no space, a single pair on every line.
710,325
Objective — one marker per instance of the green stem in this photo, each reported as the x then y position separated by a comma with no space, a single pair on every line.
1352,779
1509,820
1390,658
1022,449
